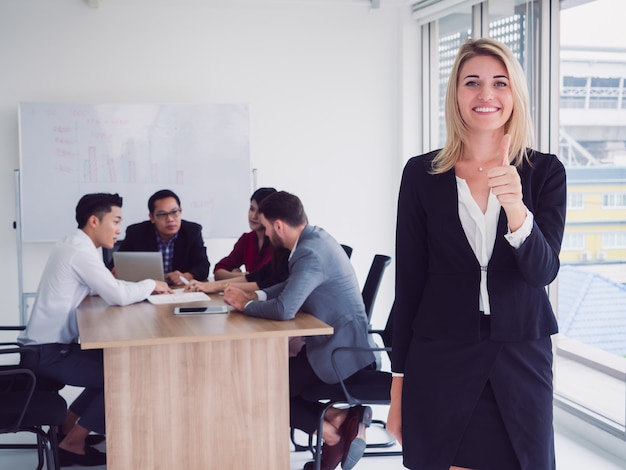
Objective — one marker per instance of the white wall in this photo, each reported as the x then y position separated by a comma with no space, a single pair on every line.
330,86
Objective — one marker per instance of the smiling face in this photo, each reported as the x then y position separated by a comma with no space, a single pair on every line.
484,94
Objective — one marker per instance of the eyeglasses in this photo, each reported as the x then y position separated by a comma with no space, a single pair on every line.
174,214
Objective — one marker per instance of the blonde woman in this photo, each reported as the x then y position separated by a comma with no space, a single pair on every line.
479,229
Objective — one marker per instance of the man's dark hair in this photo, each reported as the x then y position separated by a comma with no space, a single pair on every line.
284,206
96,204
162,194
261,194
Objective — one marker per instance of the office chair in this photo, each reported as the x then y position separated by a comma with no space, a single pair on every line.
26,408
347,249
107,254
366,387
372,283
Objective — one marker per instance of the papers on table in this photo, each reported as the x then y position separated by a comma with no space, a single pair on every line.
178,297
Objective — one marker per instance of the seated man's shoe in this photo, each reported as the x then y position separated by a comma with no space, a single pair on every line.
353,435
93,457
94,439
90,440
331,456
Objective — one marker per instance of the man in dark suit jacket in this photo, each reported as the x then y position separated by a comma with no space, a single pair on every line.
321,282
180,241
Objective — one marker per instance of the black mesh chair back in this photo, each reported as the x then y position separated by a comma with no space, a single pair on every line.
372,283
107,254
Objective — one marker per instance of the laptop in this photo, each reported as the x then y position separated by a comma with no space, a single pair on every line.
138,265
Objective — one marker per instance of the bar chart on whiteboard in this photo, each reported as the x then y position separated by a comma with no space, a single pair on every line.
200,151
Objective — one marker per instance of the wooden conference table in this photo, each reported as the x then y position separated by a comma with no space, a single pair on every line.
193,391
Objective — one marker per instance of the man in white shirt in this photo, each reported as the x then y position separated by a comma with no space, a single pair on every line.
74,271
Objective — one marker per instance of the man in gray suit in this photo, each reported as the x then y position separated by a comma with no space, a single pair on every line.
321,282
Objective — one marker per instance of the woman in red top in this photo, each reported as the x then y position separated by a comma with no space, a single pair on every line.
253,249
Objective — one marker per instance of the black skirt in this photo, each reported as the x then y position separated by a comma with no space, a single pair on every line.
486,430
484,405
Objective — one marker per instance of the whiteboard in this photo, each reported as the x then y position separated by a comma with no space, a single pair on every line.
199,151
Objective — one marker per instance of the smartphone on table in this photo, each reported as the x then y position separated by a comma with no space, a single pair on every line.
200,310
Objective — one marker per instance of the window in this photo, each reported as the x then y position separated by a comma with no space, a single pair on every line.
454,29
614,240
573,242
574,82
590,364
614,201
575,201
604,92
574,92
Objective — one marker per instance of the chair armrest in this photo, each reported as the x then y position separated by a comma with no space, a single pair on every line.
42,383
11,328
333,359
8,376
16,348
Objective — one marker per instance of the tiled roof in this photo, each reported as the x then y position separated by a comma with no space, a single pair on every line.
592,309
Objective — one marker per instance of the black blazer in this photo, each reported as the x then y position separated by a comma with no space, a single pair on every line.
189,250
438,275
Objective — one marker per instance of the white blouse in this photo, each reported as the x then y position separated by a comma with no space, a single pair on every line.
480,230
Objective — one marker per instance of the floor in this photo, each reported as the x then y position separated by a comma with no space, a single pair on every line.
571,455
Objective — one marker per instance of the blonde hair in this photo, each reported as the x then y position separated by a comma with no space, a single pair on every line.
519,124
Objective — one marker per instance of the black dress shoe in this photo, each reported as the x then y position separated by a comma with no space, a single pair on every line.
94,439
90,440
93,457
